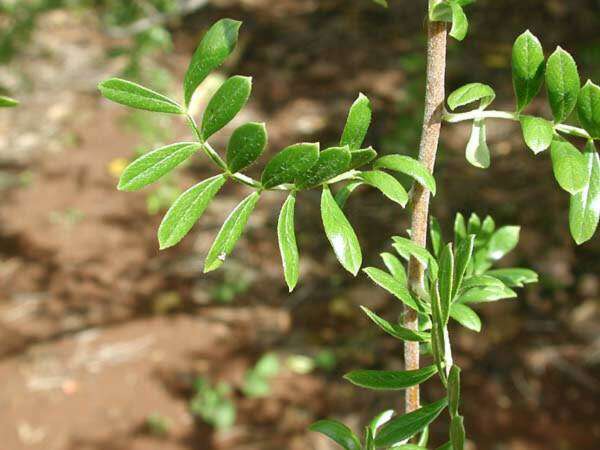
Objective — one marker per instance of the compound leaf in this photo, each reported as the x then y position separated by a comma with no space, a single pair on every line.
409,166
289,163
527,68
397,331
288,248
584,209
245,145
357,124
569,166
224,105
562,82
537,132
588,108
390,379
470,93
393,286
337,432
387,184
477,151
332,162
465,316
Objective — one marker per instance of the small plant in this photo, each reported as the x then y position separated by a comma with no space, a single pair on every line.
257,379
213,404
447,281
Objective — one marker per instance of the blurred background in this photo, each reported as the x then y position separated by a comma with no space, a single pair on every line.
105,343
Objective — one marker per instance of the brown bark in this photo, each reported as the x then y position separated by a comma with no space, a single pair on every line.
434,101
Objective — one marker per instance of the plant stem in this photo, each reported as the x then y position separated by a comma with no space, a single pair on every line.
432,120
482,114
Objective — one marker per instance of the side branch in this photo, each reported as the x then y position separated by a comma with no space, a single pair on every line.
432,120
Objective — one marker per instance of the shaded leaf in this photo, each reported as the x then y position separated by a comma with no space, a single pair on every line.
482,281
457,433
245,145
331,163
562,82
584,209
216,45
453,390
153,165
405,426
464,252
337,432
446,280
186,210
357,123
397,331
230,232
588,108
361,157
395,267
393,286
341,197
537,132
435,234
340,233
527,68
387,184
136,96
409,166
390,379
287,242
224,105
289,163
406,248
569,166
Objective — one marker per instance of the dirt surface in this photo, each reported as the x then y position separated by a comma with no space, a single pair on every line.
98,330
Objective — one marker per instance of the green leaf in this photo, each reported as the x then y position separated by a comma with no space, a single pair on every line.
504,240
588,108
460,23
341,197
537,133
397,331
477,151
287,242
7,102
395,267
387,184
485,294
229,99
289,163
435,233
465,316
460,228
337,432
393,286
482,281
186,210
340,233
230,232
332,162
406,248
216,45
464,252
446,446
357,124
361,157
514,277
153,165
378,421
446,279
136,96
390,379
562,82
457,433
438,330
245,145
569,166
584,210
453,390
470,93
440,11
381,3
409,166
405,426
474,224
527,68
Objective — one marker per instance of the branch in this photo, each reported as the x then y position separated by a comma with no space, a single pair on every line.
434,101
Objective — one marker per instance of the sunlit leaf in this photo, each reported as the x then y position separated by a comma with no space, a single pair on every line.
527,68
216,45
361,157
230,232
393,286
514,277
287,242
340,233
465,316
337,432
562,82
397,331
289,163
224,105
387,184
477,151
357,124
186,210
584,209
588,108
395,267
136,96
460,23
155,164
7,102
504,240
464,252
409,166
569,165
470,93
331,163
537,133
